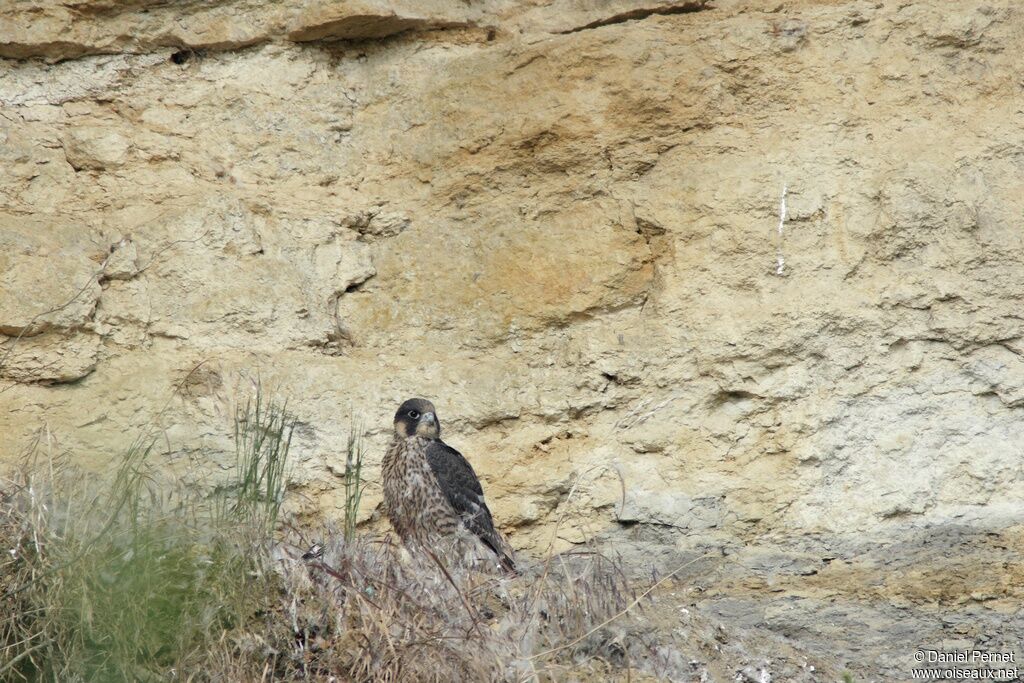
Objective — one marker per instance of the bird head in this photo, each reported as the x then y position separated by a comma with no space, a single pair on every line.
416,417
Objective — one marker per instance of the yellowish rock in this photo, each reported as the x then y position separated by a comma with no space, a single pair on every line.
741,284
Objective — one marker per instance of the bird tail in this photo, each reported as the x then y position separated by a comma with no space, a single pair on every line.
504,556
507,563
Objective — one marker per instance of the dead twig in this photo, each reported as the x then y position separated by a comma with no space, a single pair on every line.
621,613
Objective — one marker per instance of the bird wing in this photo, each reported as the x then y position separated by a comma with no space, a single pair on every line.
461,487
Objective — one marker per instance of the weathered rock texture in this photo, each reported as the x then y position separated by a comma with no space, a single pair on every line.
561,222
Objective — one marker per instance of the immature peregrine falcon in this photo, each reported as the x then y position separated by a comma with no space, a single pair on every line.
430,491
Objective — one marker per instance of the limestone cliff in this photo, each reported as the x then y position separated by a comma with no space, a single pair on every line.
743,277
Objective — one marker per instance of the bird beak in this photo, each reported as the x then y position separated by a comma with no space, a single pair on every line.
429,418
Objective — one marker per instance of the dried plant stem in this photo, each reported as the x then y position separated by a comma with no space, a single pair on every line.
622,612
9,666
462,596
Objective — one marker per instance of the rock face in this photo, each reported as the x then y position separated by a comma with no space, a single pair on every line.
560,221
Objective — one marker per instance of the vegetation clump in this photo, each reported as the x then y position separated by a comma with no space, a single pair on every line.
138,578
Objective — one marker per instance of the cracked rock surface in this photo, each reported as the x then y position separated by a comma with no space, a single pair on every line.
560,222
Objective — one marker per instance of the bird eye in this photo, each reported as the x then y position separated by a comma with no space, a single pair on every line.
414,415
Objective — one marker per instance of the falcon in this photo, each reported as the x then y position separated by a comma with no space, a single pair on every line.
431,492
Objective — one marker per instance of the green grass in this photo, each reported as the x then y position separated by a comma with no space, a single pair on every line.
132,578
353,478
263,435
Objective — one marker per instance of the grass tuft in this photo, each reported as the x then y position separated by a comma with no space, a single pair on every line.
131,578
263,435
353,478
